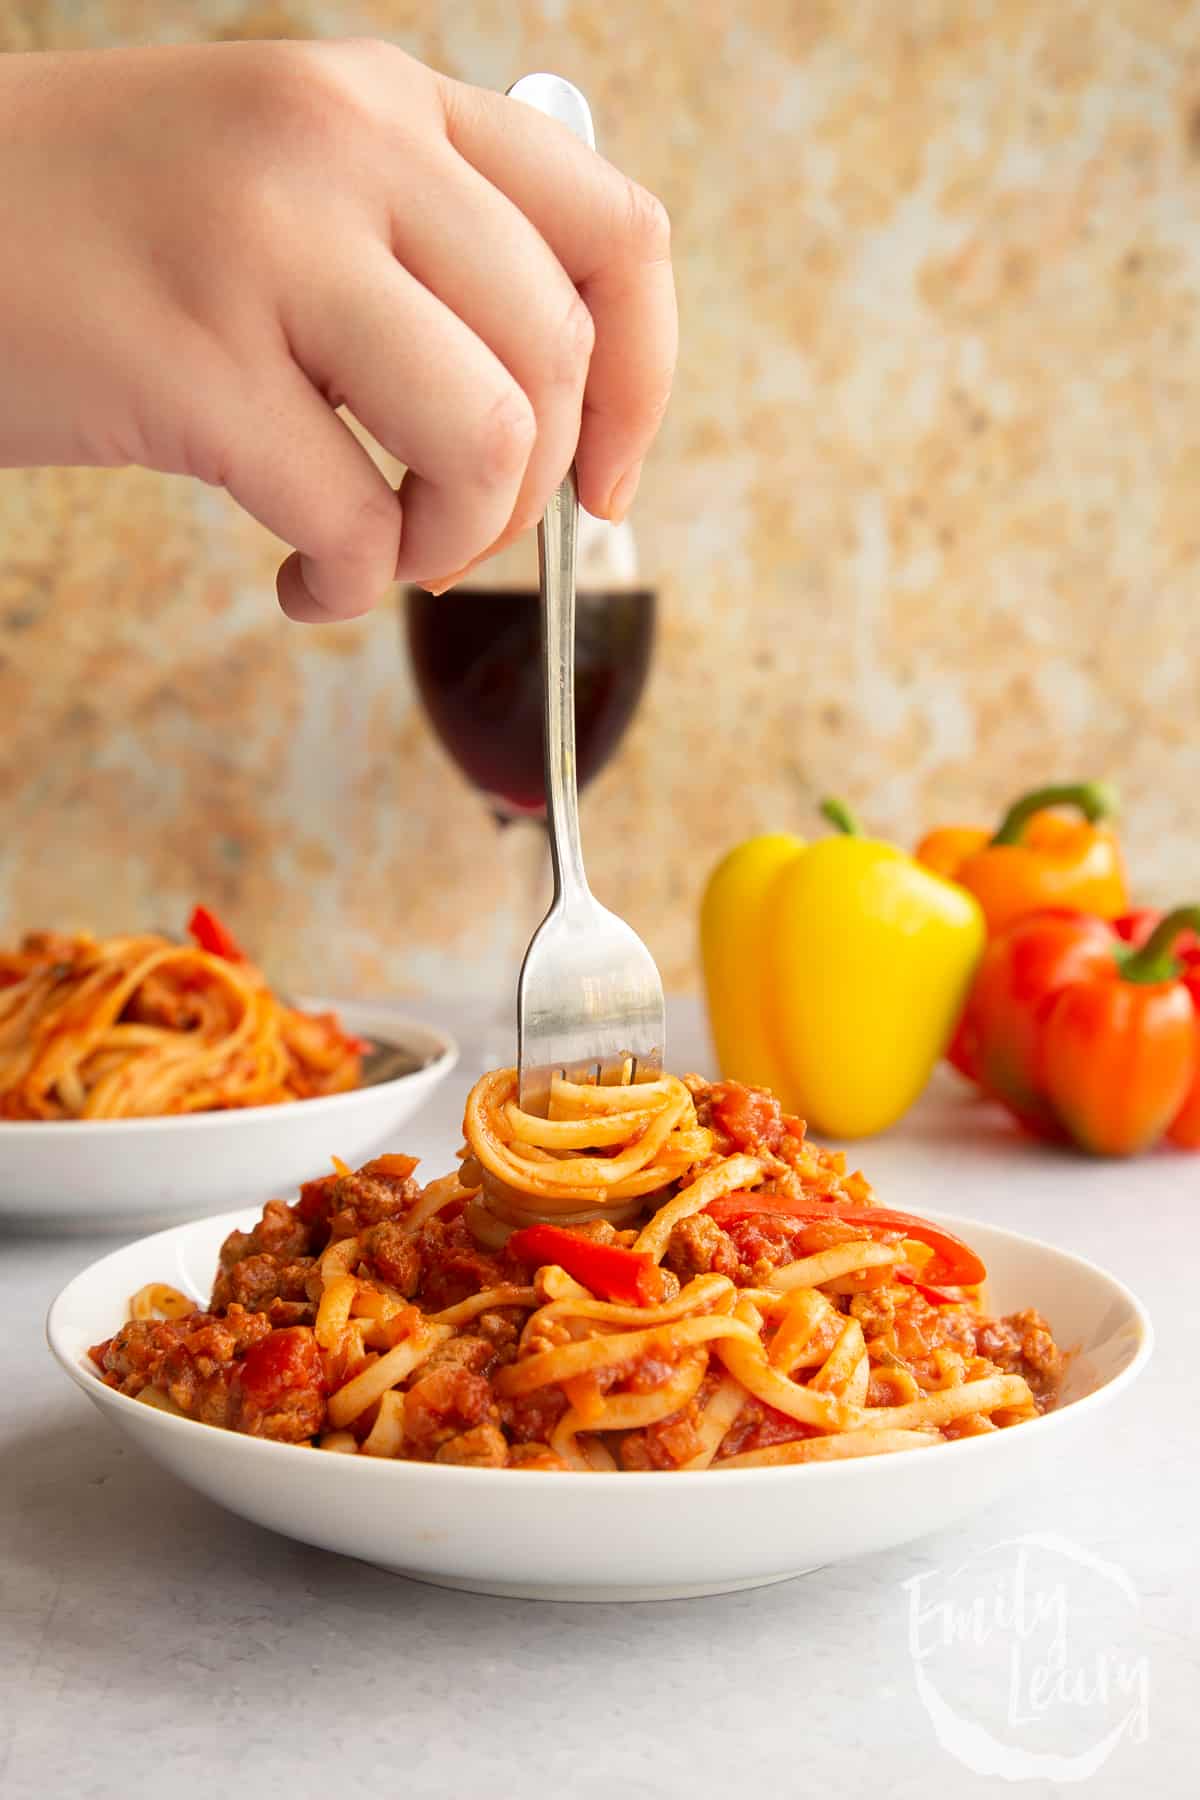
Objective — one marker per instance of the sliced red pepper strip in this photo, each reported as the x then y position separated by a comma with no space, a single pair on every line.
936,1296
629,1277
953,1261
212,936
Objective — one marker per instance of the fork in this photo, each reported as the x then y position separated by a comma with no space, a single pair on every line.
589,998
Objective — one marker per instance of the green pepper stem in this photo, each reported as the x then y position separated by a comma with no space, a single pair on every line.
841,818
1095,800
1155,960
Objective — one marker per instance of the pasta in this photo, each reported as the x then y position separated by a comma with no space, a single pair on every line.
129,1027
664,1276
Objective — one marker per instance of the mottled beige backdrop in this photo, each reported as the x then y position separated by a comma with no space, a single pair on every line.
925,513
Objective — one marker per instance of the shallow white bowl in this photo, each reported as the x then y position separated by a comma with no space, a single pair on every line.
608,1537
112,1174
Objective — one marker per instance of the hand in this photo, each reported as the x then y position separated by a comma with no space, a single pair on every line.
209,249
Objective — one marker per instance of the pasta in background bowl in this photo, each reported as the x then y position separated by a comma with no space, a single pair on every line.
111,1174
145,1025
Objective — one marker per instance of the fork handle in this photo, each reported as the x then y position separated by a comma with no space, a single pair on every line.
558,98
556,566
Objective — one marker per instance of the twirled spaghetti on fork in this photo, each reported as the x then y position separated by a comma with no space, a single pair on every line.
666,1275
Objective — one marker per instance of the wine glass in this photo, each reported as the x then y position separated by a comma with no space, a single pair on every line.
476,659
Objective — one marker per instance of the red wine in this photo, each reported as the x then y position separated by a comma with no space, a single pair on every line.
476,654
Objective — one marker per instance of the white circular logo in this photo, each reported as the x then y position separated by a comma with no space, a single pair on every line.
1025,1659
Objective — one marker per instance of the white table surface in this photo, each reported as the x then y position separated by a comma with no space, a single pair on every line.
152,1644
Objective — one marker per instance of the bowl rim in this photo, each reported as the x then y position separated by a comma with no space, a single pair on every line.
445,1058
637,1480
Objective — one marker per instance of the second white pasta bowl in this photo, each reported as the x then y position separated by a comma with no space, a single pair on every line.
114,1174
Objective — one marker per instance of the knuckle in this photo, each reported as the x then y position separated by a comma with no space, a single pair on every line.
306,97
377,68
576,341
295,81
461,106
372,529
504,438
657,403
295,104
371,50
363,535
294,108
647,223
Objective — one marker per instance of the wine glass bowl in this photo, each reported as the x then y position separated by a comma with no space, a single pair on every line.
476,661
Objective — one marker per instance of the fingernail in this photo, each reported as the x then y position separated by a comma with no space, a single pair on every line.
445,581
306,569
294,585
621,498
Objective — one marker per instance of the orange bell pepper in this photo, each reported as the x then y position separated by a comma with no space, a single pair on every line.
1136,928
1184,1129
947,847
1085,1038
1038,858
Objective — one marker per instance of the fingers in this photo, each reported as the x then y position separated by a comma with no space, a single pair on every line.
430,391
298,469
517,311
512,291
613,240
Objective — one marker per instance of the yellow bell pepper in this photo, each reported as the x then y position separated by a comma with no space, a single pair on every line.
835,972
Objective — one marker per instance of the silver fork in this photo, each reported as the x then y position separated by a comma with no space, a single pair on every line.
589,995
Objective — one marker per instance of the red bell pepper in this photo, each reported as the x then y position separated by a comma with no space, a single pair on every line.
962,1052
212,936
1084,1037
1184,1129
628,1277
953,1261
1117,1049
1135,928
1020,969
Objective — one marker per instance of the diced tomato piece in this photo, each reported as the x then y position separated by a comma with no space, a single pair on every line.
747,1116
287,1359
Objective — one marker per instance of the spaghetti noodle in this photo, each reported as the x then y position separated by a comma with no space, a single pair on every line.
660,1276
125,1027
